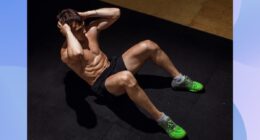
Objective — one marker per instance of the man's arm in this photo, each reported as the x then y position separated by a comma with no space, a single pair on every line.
73,48
107,17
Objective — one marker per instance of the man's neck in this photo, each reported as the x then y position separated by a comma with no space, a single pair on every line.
81,38
84,42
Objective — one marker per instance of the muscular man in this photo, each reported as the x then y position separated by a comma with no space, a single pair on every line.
114,77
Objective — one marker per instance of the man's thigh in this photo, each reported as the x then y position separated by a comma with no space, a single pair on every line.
135,57
113,84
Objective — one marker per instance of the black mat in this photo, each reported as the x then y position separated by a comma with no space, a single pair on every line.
61,106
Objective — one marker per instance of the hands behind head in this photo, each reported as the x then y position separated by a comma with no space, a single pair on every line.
64,27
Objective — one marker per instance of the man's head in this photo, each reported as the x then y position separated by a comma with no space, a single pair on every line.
73,19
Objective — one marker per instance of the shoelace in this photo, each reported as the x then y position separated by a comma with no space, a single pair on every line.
171,125
189,82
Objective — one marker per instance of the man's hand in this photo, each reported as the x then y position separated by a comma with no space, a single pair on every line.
64,28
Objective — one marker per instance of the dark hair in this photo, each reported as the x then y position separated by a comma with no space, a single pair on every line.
69,16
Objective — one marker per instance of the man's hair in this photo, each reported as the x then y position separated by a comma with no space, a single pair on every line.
69,16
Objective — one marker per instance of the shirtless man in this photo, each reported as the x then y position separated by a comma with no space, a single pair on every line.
114,77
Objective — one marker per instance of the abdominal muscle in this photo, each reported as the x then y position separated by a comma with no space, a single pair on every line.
90,71
94,61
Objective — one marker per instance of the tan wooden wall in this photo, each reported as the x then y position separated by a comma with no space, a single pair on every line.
212,16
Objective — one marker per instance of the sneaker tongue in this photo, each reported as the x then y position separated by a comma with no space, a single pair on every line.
168,124
188,82
171,124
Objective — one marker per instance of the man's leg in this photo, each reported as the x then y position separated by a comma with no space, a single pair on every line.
135,57
125,82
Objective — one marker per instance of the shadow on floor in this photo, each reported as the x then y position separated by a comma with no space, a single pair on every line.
77,90
153,81
157,82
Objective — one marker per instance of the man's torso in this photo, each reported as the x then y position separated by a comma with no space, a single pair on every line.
93,61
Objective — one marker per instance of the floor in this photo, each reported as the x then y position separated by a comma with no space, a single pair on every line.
212,16
62,107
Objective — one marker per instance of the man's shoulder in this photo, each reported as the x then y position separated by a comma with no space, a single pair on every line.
90,30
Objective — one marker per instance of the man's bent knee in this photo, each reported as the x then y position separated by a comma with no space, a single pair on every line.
149,45
127,79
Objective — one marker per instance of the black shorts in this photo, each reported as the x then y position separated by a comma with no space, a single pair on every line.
116,65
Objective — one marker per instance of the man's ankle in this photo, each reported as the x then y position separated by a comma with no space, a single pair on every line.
163,118
177,80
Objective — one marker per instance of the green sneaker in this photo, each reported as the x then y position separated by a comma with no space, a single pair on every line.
173,130
190,85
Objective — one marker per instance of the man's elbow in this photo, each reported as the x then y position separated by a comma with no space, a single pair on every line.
64,59
116,13
75,56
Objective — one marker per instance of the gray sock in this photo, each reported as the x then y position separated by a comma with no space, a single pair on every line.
177,80
162,119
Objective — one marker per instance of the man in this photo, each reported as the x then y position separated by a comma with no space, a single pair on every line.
114,77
